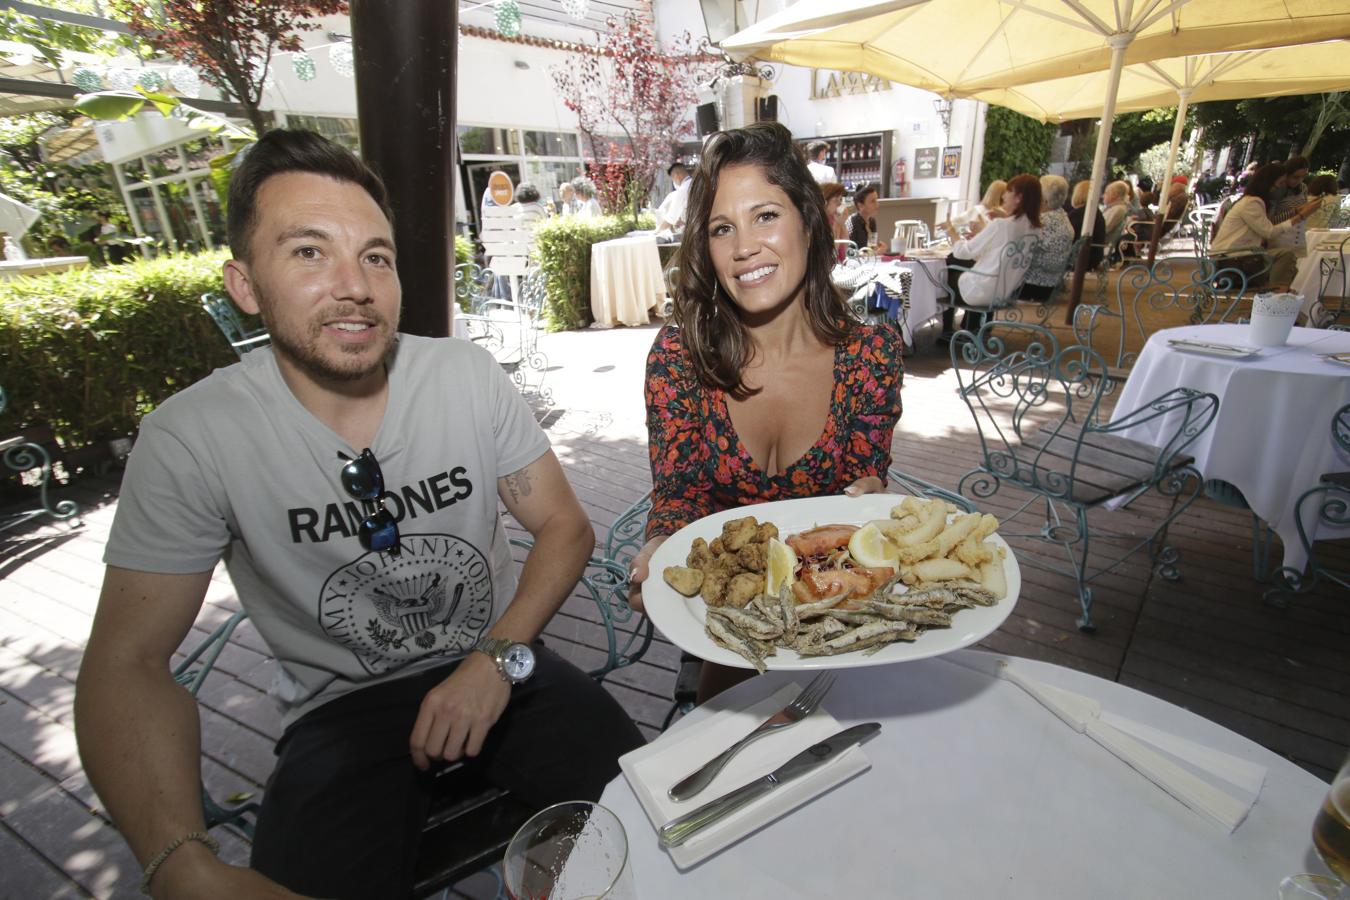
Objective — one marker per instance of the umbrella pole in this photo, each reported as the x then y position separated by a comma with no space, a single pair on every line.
1118,43
1166,188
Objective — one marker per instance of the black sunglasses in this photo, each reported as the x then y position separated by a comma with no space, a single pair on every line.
363,480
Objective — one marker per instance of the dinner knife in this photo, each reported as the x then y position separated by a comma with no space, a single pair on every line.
677,831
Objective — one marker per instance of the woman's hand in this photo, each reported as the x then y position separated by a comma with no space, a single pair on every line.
869,485
1308,209
638,571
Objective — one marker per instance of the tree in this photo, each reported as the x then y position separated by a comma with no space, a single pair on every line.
1153,162
230,42
1315,125
634,87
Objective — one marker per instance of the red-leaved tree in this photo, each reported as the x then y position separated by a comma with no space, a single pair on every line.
221,39
632,87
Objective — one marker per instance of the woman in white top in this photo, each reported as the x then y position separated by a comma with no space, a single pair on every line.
993,274
1246,226
587,206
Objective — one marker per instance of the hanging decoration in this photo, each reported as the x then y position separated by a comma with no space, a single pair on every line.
120,79
508,18
150,80
577,9
340,55
186,81
303,64
87,80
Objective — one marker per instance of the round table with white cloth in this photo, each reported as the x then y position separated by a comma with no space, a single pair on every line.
977,790
925,276
1272,435
1322,245
626,280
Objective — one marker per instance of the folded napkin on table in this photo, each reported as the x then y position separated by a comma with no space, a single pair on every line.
1216,784
651,770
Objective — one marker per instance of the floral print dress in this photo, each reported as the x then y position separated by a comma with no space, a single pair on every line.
700,466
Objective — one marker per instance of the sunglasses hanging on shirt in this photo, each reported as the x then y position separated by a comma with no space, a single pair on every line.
363,480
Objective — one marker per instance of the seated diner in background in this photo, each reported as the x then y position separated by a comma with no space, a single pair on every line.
983,256
1050,259
1139,233
833,192
861,225
1246,228
1115,210
765,388
979,215
1078,206
1325,191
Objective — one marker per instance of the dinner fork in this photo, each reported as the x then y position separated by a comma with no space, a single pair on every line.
802,706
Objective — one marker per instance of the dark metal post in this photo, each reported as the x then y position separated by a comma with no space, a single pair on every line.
405,97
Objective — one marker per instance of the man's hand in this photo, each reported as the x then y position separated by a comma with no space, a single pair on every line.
458,713
638,571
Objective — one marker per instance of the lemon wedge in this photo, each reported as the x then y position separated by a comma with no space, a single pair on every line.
779,568
869,547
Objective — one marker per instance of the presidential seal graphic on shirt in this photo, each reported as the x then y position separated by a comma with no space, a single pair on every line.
434,599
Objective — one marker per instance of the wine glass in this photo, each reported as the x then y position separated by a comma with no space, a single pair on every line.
1331,839
569,851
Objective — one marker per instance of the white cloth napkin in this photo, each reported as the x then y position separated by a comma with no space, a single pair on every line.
652,769
1215,784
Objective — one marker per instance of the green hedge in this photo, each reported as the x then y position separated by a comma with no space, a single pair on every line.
1013,144
563,247
91,351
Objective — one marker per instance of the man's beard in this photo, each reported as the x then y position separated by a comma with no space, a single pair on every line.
303,350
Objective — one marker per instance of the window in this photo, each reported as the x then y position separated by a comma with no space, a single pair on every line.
342,131
477,139
550,143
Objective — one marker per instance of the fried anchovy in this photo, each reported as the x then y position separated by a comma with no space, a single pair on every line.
752,625
811,610
788,604
724,635
919,615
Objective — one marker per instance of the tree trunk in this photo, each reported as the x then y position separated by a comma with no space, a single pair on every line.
1331,110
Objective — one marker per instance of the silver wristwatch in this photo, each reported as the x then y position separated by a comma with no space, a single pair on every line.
515,661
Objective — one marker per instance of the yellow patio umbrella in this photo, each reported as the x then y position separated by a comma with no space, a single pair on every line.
959,48
1235,75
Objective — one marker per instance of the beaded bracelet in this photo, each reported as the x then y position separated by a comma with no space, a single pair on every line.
212,844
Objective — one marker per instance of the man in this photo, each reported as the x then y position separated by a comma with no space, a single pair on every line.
568,195
1289,193
380,578
1140,232
670,214
587,206
859,224
816,152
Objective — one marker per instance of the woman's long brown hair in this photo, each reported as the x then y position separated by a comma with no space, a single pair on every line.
717,340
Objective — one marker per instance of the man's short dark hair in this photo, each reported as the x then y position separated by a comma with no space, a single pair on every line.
526,193
813,149
1296,164
677,165
861,194
280,151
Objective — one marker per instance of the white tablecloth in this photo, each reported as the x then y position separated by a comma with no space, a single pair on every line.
976,790
1308,281
1272,435
925,276
626,280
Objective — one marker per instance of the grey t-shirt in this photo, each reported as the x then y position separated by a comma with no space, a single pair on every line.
235,467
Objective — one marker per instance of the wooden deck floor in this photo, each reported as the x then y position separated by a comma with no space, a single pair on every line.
1280,677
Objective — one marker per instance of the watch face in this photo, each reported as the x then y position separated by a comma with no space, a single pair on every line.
518,663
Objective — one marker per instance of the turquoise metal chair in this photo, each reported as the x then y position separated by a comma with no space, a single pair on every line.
22,454
1328,502
1037,413
223,312
1041,308
1006,279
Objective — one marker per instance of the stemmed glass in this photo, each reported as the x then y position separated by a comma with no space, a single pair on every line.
569,851
1331,838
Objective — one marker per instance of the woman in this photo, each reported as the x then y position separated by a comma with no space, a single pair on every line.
990,207
1324,190
1246,227
587,206
990,273
1051,258
528,205
1078,204
833,193
766,390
